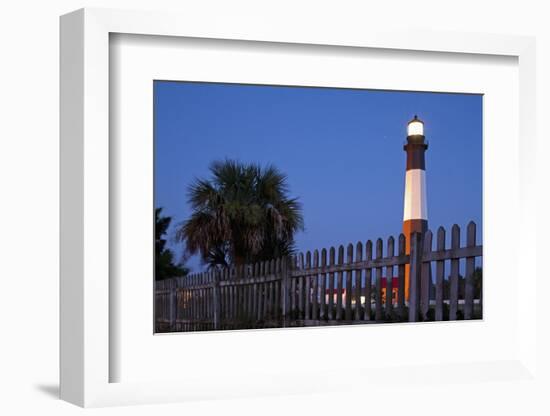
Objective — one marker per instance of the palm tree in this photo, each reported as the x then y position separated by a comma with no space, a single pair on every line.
242,214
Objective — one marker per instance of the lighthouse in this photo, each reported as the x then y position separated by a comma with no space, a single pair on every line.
415,212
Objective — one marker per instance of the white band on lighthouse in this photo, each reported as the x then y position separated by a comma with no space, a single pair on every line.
416,207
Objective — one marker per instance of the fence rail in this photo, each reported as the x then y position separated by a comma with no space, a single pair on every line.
355,284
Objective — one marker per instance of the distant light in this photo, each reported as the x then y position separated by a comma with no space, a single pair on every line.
415,127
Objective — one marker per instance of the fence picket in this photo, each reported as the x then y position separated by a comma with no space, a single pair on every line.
195,305
233,297
349,274
206,293
453,297
212,298
470,263
301,288
339,284
293,290
251,316
426,277
439,276
266,290
246,295
323,288
401,280
271,292
254,297
242,299
262,306
202,303
332,253
226,297
277,290
358,283
216,301
237,289
285,288
378,294
307,314
368,282
315,288
389,282
414,275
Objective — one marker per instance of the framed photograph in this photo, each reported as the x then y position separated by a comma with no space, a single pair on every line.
253,181
245,213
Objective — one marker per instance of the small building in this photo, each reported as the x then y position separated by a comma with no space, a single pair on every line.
394,289
383,285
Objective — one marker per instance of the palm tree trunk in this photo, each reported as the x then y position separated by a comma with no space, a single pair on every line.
239,263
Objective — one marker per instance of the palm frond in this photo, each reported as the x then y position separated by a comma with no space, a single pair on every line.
241,214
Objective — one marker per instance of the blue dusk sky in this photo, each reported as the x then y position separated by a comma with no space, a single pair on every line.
342,150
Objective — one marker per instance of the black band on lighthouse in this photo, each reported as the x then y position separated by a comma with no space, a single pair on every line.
415,155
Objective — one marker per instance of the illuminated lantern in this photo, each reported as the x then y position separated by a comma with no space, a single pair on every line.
415,127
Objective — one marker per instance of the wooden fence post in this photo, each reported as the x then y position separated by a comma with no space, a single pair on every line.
414,275
388,309
339,284
307,312
331,284
439,276
260,297
470,263
173,304
285,290
216,300
295,289
378,317
323,287
267,291
368,282
453,283
315,288
358,278
277,290
300,288
349,261
401,280
426,276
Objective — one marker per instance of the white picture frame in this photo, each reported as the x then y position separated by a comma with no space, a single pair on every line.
86,356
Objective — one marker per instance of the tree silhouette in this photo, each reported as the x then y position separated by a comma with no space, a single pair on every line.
164,258
242,214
